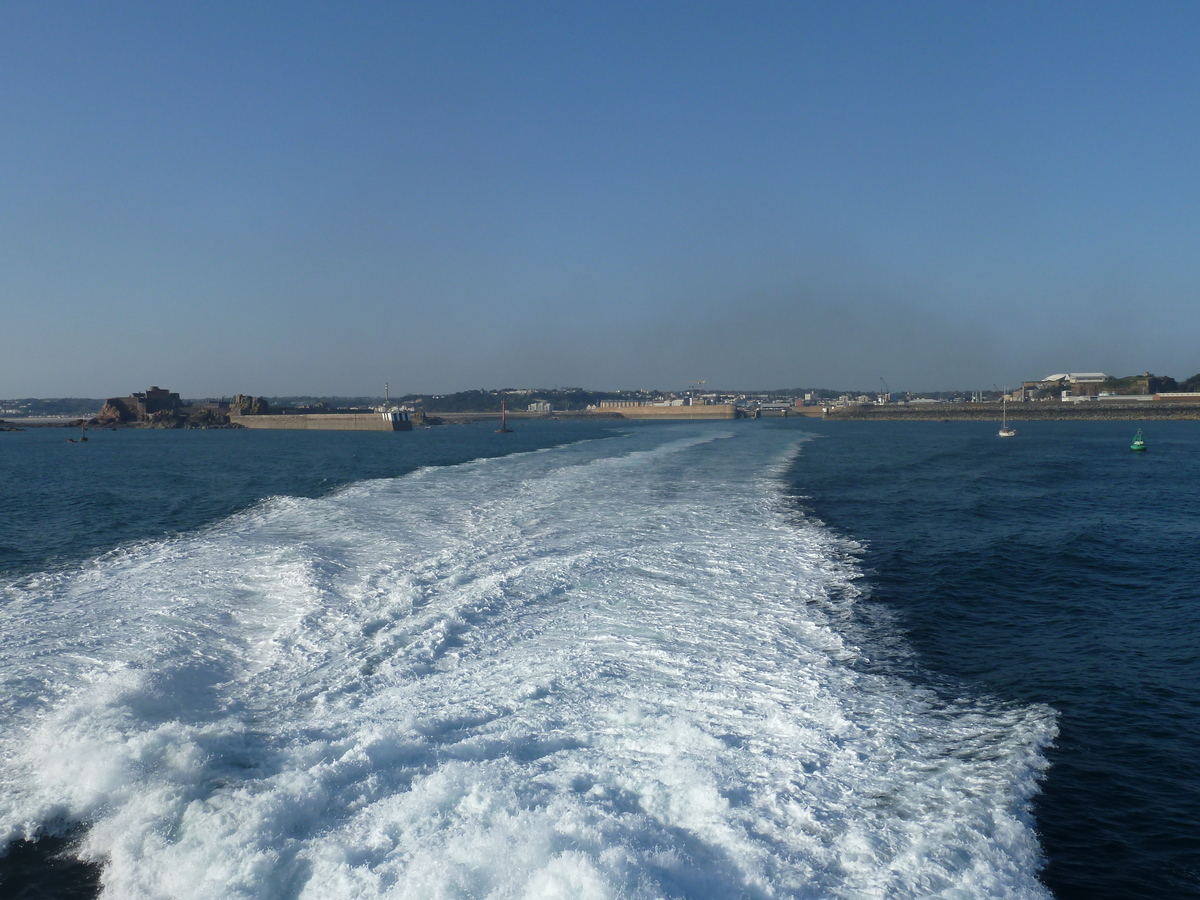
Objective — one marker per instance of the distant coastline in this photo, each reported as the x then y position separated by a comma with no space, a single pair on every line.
939,412
1050,411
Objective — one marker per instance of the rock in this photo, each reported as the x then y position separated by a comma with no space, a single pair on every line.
114,413
165,418
245,405
207,418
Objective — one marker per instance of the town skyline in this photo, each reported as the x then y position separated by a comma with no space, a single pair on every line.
1087,384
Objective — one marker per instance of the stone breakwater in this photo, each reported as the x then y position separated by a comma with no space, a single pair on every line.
366,421
1020,412
707,411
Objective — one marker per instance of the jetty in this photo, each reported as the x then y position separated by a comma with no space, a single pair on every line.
396,420
670,412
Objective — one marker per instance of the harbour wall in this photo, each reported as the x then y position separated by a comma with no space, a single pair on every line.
327,421
712,411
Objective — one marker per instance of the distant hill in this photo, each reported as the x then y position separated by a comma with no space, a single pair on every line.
1146,383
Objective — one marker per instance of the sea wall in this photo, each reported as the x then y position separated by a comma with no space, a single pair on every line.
712,411
326,422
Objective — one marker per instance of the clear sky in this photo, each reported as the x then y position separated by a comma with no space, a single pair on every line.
316,198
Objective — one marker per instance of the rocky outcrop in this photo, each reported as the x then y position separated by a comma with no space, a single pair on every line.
114,415
181,418
245,405
209,418
115,412
165,418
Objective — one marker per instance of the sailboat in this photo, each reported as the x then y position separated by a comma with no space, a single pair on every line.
503,429
1139,442
1005,431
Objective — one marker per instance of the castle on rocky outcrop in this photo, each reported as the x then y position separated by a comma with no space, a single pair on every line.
159,408
141,406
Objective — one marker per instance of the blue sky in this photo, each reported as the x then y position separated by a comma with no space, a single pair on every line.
315,198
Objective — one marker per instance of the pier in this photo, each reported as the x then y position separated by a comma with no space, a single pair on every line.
364,421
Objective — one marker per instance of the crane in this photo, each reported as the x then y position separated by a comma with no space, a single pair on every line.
886,396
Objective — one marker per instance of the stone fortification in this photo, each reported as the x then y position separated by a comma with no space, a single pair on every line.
159,408
372,421
711,411
140,407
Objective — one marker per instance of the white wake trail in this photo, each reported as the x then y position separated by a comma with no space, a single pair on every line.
604,671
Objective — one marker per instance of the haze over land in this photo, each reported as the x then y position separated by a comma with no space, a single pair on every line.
317,199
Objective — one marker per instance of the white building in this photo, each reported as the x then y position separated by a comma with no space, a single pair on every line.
1075,378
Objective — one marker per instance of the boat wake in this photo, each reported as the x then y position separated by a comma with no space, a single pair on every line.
612,669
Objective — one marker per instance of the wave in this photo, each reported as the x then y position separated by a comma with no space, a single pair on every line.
611,669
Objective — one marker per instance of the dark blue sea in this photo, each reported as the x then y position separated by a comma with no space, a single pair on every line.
778,658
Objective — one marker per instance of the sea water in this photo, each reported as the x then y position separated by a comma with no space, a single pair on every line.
1060,568
597,661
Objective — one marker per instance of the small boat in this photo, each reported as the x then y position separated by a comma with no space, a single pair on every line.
1005,431
1139,442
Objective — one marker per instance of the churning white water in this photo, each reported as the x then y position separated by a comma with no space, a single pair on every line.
608,670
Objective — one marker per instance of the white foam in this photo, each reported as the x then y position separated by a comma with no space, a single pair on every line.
609,670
